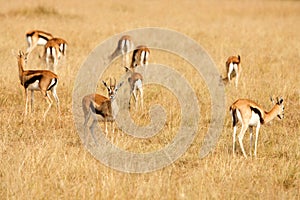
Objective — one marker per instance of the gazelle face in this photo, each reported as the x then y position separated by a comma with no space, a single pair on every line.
23,57
279,103
112,89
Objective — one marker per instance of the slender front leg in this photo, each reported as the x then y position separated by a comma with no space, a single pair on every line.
92,129
26,101
233,140
256,138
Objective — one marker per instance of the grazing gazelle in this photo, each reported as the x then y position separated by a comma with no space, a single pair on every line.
37,80
140,56
250,114
106,107
55,48
136,84
125,45
233,68
35,38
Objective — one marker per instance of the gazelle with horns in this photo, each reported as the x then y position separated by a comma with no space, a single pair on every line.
136,84
233,69
250,114
140,56
97,105
55,48
37,80
125,45
35,38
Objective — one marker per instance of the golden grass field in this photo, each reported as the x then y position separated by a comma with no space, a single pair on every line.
47,160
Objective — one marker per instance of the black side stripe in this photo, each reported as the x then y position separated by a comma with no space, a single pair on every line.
257,111
32,80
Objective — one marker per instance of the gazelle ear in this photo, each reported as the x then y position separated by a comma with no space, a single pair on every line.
104,83
272,100
280,100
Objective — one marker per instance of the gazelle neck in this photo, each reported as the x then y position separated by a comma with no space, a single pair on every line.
269,116
21,69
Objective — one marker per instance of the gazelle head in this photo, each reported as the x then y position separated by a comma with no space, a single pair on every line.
21,56
280,106
112,88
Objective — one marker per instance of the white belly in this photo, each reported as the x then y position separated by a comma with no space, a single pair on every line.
34,86
42,41
254,120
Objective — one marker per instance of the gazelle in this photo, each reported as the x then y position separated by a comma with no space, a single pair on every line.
106,107
136,84
233,68
251,114
37,80
140,56
35,38
125,45
55,48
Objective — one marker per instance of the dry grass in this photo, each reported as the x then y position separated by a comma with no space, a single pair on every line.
48,161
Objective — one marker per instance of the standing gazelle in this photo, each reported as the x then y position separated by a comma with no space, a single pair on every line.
96,104
136,84
140,56
37,80
125,45
35,38
55,48
251,114
233,68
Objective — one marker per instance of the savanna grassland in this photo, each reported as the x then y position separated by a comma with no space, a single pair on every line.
47,160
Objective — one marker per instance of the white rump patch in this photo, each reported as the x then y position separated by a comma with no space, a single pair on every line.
29,40
53,82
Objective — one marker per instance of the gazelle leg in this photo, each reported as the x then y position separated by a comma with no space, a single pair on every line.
256,138
86,119
56,99
230,69
142,98
135,97
105,123
130,98
26,101
113,126
49,101
251,139
92,129
235,66
241,136
233,140
32,101
55,63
